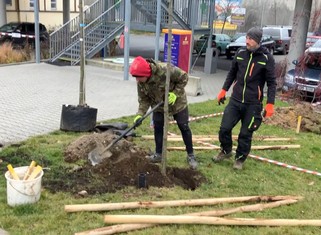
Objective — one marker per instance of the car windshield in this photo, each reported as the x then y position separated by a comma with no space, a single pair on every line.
317,44
204,37
241,39
312,39
313,61
8,27
237,35
273,32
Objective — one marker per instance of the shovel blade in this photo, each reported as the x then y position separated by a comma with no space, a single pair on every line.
95,156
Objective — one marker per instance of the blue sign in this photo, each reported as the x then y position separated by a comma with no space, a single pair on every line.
175,49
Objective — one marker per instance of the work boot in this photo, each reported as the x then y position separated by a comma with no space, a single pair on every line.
191,160
238,165
155,158
221,156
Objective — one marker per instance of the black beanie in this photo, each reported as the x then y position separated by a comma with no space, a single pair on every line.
255,33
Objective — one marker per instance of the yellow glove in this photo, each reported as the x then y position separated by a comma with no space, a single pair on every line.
171,98
138,120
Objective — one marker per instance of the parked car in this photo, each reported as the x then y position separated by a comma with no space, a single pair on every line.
311,40
305,77
231,48
236,36
281,35
220,41
22,33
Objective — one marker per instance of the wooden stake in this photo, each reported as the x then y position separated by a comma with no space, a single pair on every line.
185,219
266,147
299,124
35,172
215,138
130,227
30,169
12,172
159,204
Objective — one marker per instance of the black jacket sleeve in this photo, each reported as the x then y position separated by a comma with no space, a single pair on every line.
270,80
231,76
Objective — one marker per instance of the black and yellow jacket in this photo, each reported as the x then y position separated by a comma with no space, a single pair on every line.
152,91
248,74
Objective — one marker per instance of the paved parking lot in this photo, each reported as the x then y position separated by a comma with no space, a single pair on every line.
32,96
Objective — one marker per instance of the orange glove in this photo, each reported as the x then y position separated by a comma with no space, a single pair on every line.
221,97
269,110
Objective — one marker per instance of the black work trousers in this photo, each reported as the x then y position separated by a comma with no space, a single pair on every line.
251,119
182,123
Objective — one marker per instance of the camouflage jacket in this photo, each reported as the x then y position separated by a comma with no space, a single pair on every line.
152,91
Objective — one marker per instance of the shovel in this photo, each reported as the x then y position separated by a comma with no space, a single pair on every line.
97,155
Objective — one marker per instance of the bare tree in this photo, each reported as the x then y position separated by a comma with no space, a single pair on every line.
251,18
315,20
226,10
275,13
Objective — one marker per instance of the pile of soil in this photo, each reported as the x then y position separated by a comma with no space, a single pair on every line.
287,117
114,173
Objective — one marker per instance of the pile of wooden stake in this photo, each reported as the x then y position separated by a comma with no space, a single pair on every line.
135,222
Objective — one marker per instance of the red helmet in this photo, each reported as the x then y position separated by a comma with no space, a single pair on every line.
140,68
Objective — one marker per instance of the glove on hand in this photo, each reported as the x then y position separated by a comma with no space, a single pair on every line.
221,97
269,110
138,120
171,98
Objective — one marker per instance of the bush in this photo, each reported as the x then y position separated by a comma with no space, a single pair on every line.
10,54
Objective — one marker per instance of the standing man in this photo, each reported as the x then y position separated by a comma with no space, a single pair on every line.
151,78
251,68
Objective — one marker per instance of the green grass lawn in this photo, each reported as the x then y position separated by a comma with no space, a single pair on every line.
47,216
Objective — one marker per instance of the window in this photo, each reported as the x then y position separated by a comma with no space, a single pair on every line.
31,3
9,2
53,4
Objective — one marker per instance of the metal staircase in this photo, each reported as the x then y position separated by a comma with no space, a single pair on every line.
182,13
102,25
105,19
149,9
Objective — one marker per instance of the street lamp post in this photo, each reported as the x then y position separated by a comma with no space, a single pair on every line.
262,14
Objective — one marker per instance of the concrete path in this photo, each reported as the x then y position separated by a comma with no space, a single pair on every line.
32,96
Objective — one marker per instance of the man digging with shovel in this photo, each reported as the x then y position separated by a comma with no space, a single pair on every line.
151,78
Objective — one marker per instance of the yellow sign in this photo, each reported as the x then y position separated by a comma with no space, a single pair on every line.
227,26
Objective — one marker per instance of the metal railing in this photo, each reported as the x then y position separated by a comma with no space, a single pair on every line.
100,21
66,35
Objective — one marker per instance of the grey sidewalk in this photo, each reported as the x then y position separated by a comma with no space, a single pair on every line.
32,96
